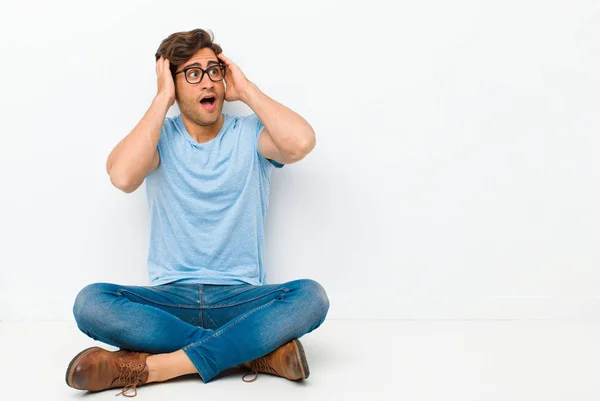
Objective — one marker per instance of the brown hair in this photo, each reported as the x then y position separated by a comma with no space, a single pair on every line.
181,46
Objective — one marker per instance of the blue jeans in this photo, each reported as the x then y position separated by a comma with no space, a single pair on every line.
217,326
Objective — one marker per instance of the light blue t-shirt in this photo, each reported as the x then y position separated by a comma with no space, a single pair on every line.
208,205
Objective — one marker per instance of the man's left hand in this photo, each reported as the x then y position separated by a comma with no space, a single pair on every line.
237,83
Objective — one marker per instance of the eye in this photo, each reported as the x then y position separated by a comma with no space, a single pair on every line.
216,72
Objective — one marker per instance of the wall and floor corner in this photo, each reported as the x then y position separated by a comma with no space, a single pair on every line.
455,174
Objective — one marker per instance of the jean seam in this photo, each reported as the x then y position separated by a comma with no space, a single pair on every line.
200,306
165,289
232,324
210,318
285,290
160,303
201,287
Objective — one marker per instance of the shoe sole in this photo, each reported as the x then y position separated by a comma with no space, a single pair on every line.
77,358
302,358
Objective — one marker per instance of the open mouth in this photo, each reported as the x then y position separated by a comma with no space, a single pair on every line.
209,102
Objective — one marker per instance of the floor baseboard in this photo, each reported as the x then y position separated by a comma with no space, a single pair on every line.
400,308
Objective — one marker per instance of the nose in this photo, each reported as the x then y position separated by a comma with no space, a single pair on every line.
206,83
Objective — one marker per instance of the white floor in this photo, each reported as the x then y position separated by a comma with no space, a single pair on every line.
370,360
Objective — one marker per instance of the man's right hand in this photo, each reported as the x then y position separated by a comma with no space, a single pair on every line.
166,86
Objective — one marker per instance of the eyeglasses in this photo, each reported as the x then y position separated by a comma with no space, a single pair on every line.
194,75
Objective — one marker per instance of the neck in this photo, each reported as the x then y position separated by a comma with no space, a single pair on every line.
203,133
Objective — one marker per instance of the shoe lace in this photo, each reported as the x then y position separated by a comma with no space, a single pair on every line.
131,374
259,365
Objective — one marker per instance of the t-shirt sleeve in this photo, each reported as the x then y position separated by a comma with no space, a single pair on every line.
162,140
258,128
161,146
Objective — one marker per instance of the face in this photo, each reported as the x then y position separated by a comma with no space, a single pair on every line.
190,96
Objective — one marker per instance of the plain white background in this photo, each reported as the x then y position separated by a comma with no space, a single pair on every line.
455,174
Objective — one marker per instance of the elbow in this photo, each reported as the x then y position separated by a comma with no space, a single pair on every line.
123,183
303,148
310,143
120,179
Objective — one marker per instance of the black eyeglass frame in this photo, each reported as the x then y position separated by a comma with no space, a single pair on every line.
185,70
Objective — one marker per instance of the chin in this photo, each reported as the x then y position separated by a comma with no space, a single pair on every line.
212,117
201,118
204,120
213,122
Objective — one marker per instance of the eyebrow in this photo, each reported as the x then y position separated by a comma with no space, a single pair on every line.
197,64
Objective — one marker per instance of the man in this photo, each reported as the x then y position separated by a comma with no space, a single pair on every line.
207,174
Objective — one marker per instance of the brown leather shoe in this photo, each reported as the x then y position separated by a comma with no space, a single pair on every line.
287,361
96,369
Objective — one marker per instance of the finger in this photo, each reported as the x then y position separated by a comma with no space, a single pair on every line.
167,67
225,59
159,66
163,66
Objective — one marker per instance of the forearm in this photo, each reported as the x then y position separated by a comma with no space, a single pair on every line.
291,133
130,161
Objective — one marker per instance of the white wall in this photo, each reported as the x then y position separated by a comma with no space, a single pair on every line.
455,174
